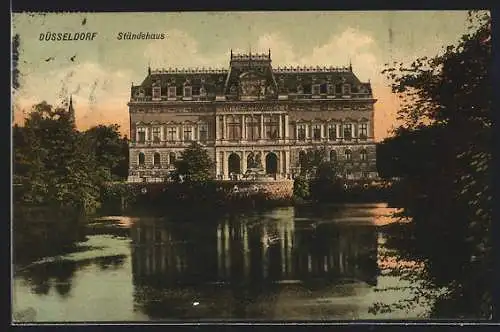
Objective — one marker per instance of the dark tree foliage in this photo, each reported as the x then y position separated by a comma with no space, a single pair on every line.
195,165
56,165
110,150
16,44
442,153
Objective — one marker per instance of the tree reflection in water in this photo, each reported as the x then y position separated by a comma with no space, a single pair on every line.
40,250
233,264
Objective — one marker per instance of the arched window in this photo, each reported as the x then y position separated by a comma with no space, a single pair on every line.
171,158
142,159
156,159
333,155
348,155
362,155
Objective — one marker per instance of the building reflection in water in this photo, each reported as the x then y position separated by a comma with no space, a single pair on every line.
251,252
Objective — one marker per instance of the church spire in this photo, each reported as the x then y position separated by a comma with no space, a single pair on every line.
71,110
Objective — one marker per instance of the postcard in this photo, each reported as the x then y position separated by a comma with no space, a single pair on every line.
318,166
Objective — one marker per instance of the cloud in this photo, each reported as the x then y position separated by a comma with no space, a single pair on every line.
181,50
351,45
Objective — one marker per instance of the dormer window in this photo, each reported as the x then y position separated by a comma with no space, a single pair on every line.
172,92
203,91
330,89
188,91
316,89
156,92
346,89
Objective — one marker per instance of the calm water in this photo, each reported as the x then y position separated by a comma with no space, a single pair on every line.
320,263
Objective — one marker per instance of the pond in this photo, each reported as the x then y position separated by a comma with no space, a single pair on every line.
288,263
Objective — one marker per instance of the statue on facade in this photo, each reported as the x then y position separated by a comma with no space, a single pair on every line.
251,161
262,89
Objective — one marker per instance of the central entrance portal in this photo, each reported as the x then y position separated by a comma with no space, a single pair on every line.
271,163
234,164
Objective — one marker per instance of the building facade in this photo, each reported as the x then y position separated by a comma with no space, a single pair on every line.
252,116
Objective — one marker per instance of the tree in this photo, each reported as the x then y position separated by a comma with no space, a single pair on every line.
195,165
110,150
310,160
53,163
443,152
326,184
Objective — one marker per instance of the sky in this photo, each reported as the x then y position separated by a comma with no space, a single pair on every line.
98,73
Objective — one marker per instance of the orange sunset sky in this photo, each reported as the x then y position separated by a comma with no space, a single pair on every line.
99,73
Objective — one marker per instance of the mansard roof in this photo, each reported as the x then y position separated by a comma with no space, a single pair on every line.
218,81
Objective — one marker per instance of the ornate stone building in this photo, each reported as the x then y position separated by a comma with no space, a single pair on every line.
252,115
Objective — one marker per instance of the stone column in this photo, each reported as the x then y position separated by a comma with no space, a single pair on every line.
339,129
179,133
217,127
243,162
162,133
226,165
287,162
262,126
322,130
243,128
286,126
280,131
223,127
217,163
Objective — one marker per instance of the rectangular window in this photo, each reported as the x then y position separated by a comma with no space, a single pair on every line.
156,92
363,131
253,128
196,91
234,127
188,92
271,127
171,134
187,134
301,132
156,134
332,132
347,131
172,92
141,135
317,132
203,133
316,89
